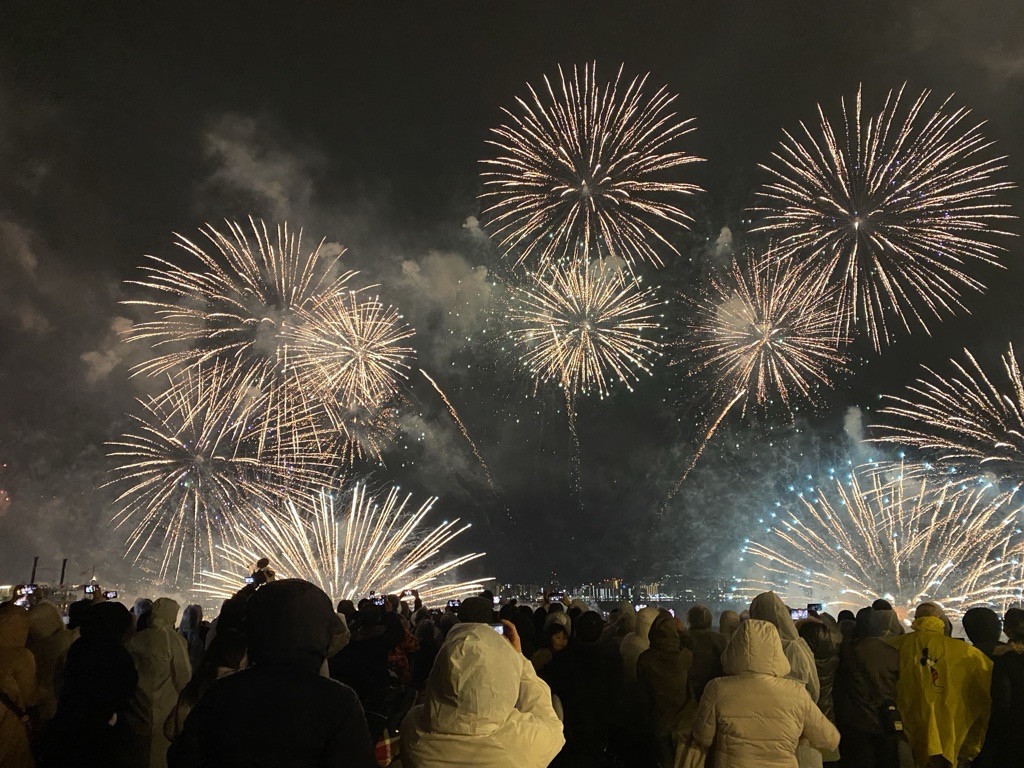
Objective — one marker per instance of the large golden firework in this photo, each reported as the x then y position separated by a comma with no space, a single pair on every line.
769,330
373,546
585,326
906,539
587,166
895,208
962,421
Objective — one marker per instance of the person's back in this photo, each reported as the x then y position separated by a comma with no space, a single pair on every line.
869,669
17,684
1004,732
49,641
485,707
161,660
637,641
706,645
755,716
943,691
279,711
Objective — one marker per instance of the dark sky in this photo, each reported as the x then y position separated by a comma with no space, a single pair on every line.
121,123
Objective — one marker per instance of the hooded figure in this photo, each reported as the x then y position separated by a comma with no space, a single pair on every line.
943,691
18,683
768,607
663,671
728,623
706,645
825,646
637,641
484,708
194,632
88,730
869,669
755,715
279,710
161,659
621,622
1003,737
49,641
983,628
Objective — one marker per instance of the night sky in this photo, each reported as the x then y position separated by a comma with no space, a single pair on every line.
122,123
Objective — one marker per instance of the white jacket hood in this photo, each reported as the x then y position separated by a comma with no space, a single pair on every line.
755,647
769,607
637,641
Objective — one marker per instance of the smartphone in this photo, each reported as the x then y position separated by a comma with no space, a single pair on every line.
554,597
249,580
408,593
796,614
454,603
91,589
379,601
497,601
816,607
499,628
111,594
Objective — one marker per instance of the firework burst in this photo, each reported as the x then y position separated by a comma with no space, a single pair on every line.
350,348
894,207
963,419
907,540
769,331
582,165
184,472
582,325
378,546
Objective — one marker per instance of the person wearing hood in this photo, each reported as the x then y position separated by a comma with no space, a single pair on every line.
757,714
161,659
768,607
279,710
983,628
869,669
706,645
49,641
621,622
484,707
943,691
637,641
728,623
824,646
1003,740
363,663
89,729
891,623
17,686
194,632
587,679
663,671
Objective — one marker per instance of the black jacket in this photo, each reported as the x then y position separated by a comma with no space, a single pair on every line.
868,671
1004,738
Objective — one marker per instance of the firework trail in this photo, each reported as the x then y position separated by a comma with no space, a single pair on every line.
582,165
462,429
184,471
583,325
570,413
903,540
768,330
963,419
375,546
894,207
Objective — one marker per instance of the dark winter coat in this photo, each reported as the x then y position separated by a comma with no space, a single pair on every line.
869,669
1004,731
706,645
279,711
663,671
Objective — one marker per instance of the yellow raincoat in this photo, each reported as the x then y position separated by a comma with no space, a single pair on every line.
943,692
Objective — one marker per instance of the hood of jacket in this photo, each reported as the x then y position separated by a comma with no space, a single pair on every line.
163,613
870,623
44,620
663,635
728,623
14,626
474,683
191,618
929,624
768,607
291,623
625,620
757,648
644,621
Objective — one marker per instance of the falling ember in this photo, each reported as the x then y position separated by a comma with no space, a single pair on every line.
373,546
892,208
462,429
908,539
586,166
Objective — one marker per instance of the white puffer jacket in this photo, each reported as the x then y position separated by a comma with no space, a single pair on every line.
485,708
637,641
756,716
